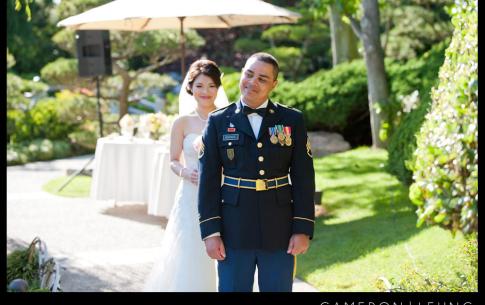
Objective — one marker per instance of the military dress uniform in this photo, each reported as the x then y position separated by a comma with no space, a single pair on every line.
264,196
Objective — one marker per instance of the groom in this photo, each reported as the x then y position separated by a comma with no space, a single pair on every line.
263,214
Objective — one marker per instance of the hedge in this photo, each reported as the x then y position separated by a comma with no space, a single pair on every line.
445,163
417,74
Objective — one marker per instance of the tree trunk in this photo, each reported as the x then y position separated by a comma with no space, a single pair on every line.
376,73
344,41
125,91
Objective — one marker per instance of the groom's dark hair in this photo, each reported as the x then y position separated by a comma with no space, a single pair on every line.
206,67
269,59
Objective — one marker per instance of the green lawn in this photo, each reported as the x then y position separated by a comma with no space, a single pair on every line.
371,229
78,187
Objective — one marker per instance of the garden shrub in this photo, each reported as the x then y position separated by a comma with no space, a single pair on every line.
415,280
336,100
42,121
75,107
328,97
46,122
37,150
83,141
445,163
230,82
61,149
417,74
62,71
250,45
291,60
17,87
41,149
17,154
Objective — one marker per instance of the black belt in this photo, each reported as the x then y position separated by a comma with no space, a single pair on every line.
256,184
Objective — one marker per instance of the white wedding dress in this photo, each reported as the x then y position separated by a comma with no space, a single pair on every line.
184,265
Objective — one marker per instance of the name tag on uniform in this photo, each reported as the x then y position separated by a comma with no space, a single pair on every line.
230,137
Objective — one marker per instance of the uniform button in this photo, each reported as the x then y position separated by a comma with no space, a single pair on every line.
260,158
261,172
260,144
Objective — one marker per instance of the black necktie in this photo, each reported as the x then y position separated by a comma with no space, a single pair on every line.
248,110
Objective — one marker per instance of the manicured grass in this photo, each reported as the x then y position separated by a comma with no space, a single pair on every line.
79,187
371,229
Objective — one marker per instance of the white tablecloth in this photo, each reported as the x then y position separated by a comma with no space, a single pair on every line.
123,168
163,185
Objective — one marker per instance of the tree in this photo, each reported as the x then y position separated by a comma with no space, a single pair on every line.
344,41
413,27
18,7
154,49
368,32
29,41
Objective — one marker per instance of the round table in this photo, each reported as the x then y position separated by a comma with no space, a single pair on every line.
123,168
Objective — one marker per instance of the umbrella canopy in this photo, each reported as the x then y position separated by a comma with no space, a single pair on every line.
144,15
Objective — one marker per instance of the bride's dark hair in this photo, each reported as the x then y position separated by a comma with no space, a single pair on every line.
206,67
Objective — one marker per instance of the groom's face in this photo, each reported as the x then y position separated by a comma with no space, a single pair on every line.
257,81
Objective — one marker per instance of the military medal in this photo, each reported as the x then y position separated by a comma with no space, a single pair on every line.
272,132
281,135
288,135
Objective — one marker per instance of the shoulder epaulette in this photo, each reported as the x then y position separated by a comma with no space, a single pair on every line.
221,109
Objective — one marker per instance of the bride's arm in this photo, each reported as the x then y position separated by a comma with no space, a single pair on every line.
176,146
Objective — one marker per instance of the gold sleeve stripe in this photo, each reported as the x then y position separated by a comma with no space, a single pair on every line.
209,219
304,219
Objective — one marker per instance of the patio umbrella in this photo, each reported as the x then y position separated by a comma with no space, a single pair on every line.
144,15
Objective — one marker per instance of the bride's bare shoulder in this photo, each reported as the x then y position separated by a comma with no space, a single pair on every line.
184,122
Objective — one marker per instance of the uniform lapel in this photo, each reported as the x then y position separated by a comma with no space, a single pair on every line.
240,121
271,119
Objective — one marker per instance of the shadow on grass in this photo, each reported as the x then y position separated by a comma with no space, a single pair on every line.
348,241
381,199
136,212
349,166
368,210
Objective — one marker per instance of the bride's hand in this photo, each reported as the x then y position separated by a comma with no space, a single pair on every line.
192,176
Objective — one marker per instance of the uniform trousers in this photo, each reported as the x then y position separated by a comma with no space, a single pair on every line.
275,270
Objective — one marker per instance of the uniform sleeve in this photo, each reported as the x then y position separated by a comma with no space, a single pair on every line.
210,169
302,176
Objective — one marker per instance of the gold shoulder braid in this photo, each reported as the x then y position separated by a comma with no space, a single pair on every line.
201,150
308,147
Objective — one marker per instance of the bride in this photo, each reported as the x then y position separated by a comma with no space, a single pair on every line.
183,265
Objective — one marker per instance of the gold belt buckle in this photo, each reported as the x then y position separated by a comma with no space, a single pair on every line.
261,185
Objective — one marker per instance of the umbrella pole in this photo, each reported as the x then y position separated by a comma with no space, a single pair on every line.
182,46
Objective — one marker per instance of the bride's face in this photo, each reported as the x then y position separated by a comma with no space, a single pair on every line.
204,90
